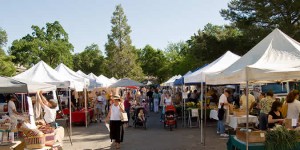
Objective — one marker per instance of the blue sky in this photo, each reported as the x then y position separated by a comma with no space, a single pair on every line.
154,22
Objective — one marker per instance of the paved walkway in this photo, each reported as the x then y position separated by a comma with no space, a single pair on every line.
96,137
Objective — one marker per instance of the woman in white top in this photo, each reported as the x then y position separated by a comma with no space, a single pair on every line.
293,105
168,99
115,125
12,111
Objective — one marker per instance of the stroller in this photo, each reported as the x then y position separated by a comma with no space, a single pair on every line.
136,120
170,117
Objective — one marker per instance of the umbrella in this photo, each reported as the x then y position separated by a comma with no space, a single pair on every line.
126,83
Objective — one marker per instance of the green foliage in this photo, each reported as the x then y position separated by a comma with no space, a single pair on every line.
281,139
50,44
259,17
90,60
121,55
7,68
153,62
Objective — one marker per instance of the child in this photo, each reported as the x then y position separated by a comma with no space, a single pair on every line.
141,115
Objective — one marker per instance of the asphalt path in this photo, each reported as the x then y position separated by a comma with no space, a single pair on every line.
155,137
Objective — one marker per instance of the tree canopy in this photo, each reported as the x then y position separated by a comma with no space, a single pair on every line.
121,55
90,60
50,43
7,68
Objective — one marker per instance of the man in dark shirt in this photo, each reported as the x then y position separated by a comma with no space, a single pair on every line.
150,99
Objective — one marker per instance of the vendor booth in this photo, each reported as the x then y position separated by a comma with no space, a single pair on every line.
20,130
274,59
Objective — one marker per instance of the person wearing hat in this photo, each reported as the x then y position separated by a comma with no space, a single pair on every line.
114,118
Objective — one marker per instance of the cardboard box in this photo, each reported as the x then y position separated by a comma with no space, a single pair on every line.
253,136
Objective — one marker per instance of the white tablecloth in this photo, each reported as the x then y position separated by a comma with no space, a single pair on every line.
213,114
234,121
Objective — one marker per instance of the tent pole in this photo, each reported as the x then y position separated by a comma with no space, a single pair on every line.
22,103
70,113
201,120
85,105
247,113
205,104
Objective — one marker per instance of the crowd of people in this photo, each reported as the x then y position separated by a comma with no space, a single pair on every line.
271,111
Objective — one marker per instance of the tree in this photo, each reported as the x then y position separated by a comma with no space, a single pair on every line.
50,44
7,68
176,56
256,18
153,62
90,60
121,55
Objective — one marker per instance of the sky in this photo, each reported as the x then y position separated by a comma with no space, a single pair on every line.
153,22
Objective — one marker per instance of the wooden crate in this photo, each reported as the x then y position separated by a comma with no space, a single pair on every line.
239,113
254,136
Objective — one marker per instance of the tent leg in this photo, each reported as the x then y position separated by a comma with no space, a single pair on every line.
70,114
247,117
201,121
85,105
205,105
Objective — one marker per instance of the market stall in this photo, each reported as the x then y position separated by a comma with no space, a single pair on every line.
199,77
43,73
29,133
274,59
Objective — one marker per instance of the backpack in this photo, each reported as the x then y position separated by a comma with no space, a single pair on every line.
221,112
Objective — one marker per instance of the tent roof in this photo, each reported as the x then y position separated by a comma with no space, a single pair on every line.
126,83
63,69
94,77
33,86
41,72
106,82
180,81
171,81
275,58
218,65
9,85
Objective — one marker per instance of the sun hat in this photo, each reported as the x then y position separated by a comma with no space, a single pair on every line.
116,97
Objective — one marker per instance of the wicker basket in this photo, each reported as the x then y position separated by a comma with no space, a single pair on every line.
49,139
253,137
35,142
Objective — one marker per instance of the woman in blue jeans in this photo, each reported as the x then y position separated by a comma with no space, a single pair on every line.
223,107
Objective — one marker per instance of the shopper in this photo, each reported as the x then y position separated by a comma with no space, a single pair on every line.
243,101
114,119
223,108
265,105
275,116
156,97
293,109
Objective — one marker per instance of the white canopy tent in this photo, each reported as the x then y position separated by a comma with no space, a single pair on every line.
106,82
93,83
93,76
43,73
171,81
67,72
113,80
9,85
34,87
218,65
275,58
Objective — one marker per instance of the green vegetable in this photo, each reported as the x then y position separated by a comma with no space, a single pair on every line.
281,139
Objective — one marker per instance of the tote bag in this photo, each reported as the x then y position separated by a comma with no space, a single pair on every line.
123,117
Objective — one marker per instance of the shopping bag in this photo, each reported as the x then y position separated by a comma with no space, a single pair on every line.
124,117
107,126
